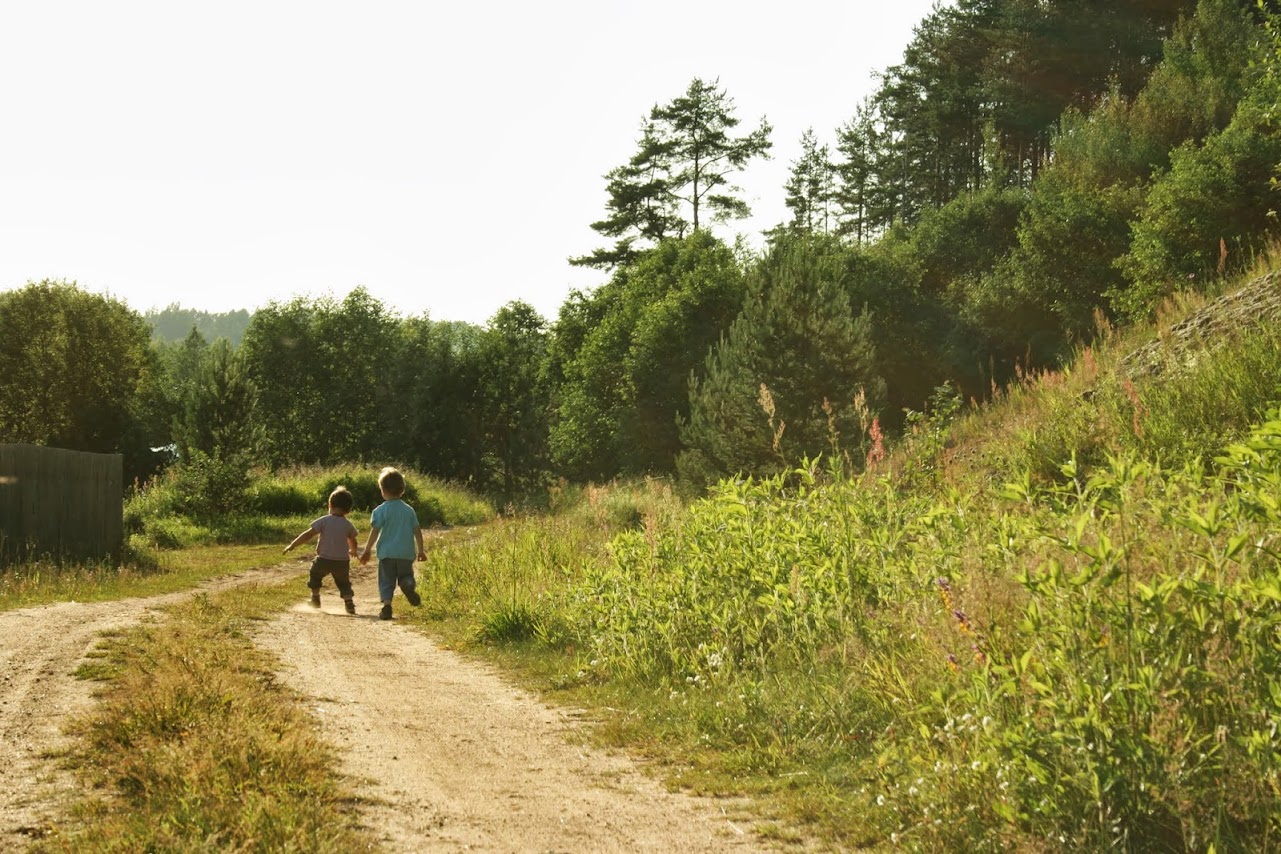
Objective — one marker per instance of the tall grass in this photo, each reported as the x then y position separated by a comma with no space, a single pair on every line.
508,582
279,504
1054,626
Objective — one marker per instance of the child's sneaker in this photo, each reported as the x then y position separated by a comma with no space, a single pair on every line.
385,613
349,605
413,598
315,599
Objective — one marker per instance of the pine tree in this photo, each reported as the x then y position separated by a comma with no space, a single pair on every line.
216,408
758,406
686,159
811,187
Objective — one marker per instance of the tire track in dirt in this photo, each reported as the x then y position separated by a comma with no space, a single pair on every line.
40,649
448,756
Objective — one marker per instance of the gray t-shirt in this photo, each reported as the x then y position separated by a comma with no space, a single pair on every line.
334,531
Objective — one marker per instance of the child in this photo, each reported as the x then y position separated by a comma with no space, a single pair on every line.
395,529
334,551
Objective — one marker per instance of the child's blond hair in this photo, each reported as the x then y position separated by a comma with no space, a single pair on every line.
391,482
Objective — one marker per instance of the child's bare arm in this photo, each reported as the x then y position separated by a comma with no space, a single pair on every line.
369,546
305,536
351,544
418,536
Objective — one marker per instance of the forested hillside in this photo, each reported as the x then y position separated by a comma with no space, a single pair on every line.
982,445
173,323
1028,172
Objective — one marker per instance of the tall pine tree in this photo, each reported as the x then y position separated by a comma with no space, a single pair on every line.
681,178
758,407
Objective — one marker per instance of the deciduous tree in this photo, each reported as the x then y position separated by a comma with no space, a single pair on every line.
73,363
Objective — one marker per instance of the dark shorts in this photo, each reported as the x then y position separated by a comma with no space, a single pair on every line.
339,569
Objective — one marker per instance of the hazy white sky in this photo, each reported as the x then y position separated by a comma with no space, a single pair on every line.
447,157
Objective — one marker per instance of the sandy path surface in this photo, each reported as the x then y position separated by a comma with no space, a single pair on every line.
447,755
454,758
40,648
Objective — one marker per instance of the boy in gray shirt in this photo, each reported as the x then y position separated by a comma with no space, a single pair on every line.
335,550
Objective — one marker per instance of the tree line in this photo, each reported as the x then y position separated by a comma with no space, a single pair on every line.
1027,170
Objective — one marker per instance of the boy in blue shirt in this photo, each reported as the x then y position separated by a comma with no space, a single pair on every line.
334,551
395,529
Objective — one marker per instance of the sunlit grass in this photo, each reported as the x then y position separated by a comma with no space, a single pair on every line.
45,582
195,746
1048,626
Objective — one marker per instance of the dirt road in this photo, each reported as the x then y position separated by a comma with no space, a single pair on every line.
449,755
460,760
40,648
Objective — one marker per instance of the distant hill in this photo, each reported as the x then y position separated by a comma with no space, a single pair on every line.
174,323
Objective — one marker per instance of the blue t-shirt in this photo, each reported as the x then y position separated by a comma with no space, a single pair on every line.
396,522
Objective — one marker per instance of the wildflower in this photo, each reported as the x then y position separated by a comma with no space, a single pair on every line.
880,800
1139,408
877,452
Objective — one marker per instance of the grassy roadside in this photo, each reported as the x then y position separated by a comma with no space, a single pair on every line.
1046,624
40,583
195,746
502,595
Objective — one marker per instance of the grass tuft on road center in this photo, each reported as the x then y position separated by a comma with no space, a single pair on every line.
195,746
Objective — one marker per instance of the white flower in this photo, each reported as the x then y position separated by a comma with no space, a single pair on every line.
975,765
880,800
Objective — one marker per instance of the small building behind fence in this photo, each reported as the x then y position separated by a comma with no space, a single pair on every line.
59,503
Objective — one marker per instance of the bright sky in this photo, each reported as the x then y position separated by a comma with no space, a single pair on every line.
448,157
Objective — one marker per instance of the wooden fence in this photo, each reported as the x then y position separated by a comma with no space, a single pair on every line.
59,503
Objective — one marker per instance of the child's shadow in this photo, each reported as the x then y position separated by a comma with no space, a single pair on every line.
336,611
